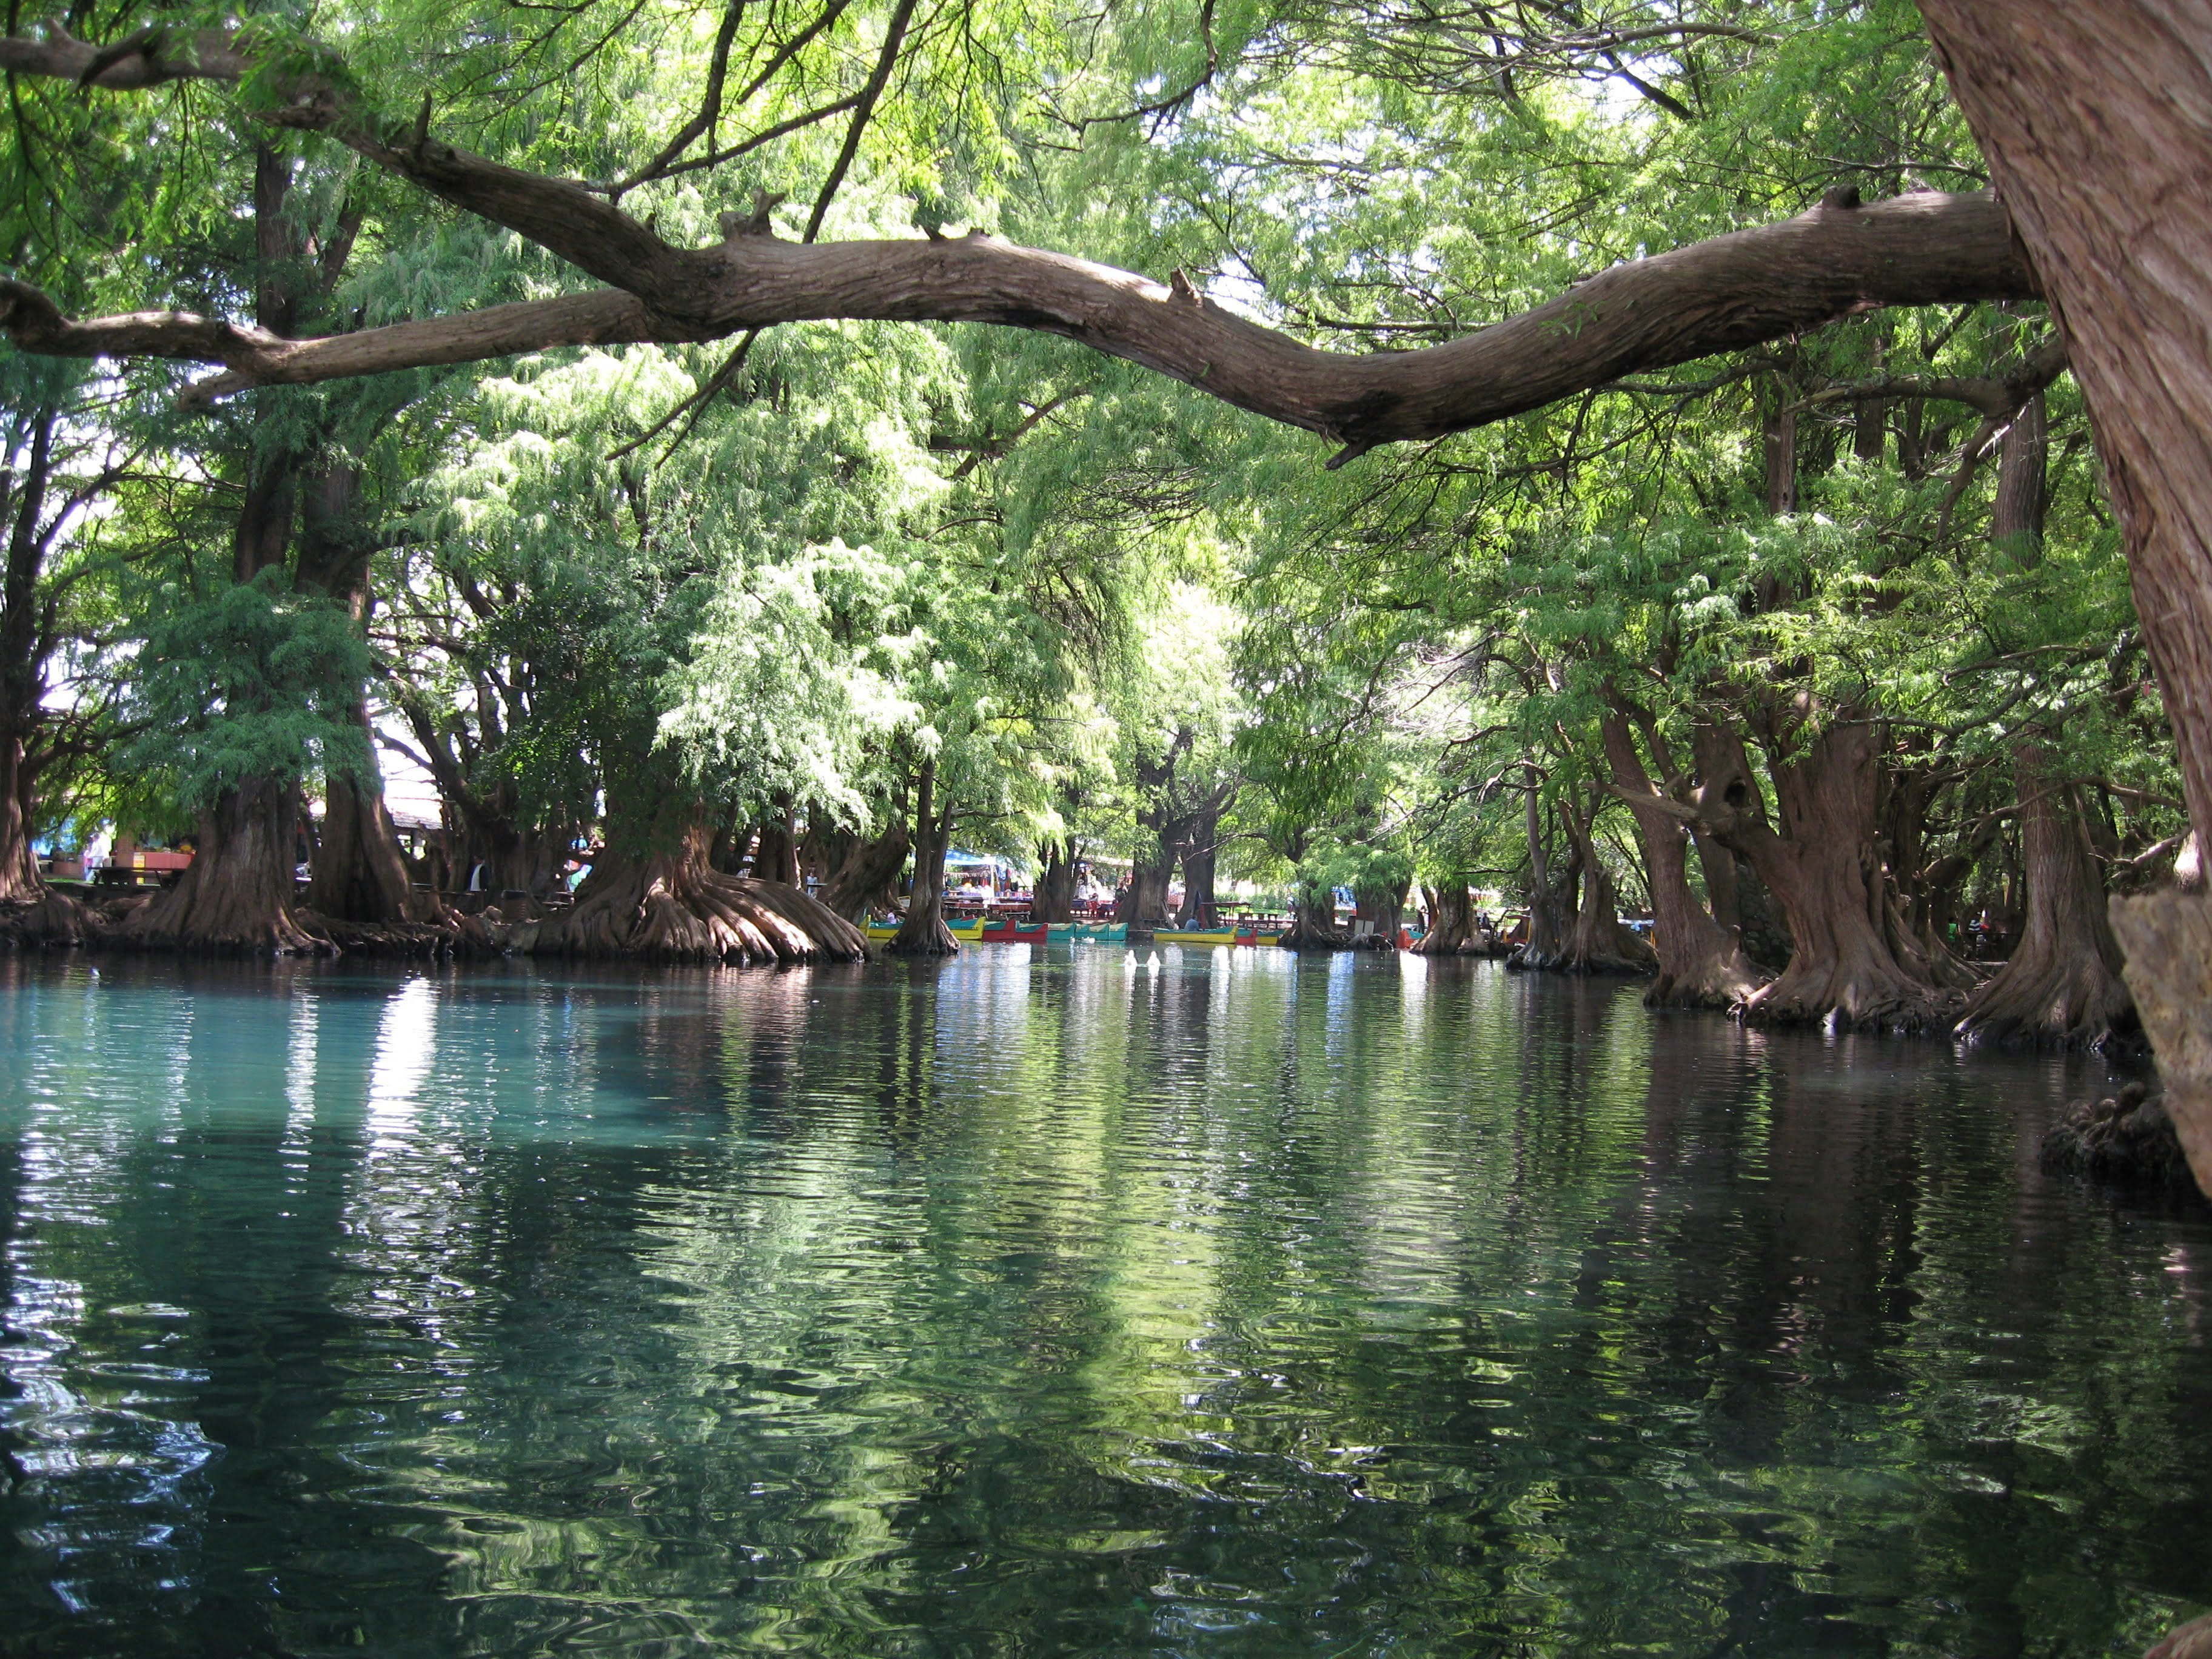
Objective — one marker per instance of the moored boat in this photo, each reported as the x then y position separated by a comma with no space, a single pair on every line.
967,928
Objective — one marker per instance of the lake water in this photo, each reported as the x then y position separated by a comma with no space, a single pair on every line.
1195,1302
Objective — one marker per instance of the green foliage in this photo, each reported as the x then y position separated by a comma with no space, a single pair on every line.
257,681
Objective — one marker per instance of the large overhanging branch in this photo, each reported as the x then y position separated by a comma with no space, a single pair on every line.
1721,295
1718,295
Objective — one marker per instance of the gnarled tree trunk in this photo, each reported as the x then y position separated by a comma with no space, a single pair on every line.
1451,920
1597,941
867,875
1700,962
2063,984
236,895
669,903
1313,923
358,873
1201,847
1550,897
1848,965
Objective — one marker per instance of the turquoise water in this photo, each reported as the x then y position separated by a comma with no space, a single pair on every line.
1209,1304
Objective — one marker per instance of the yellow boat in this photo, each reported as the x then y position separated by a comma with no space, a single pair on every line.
1195,936
967,930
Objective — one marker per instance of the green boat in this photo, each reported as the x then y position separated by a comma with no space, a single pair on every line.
967,930
1095,932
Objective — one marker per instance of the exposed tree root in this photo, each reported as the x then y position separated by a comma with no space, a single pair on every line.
2126,1138
1861,995
1452,921
49,920
451,935
677,907
2061,986
923,933
1720,978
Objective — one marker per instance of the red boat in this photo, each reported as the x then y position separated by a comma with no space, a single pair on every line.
996,931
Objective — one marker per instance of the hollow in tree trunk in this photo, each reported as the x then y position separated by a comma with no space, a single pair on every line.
1451,920
236,895
2062,985
923,932
1700,962
1848,966
668,904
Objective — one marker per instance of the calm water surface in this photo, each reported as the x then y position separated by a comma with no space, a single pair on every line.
1212,1303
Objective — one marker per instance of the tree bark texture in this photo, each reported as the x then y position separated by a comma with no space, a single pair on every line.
1699,963
2062,985
923,931
2167,938
1451,920
2096,115
672,905
1055,882
867,875
236,895
1850,963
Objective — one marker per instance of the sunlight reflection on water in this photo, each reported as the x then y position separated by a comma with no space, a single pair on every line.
1091,1301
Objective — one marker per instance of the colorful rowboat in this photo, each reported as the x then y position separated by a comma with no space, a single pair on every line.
1099,933
967,930
1017,933
1213,936
1194,936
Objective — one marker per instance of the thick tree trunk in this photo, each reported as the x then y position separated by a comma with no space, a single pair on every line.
1313,923
923,932
1200,850
1596,940
1700,962
1451,920
775,849
1147,908
2096,117
2063,983
1848,966
868,874
1551,899
358,873
672,905
236,895
20,882
31,912
1055,884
